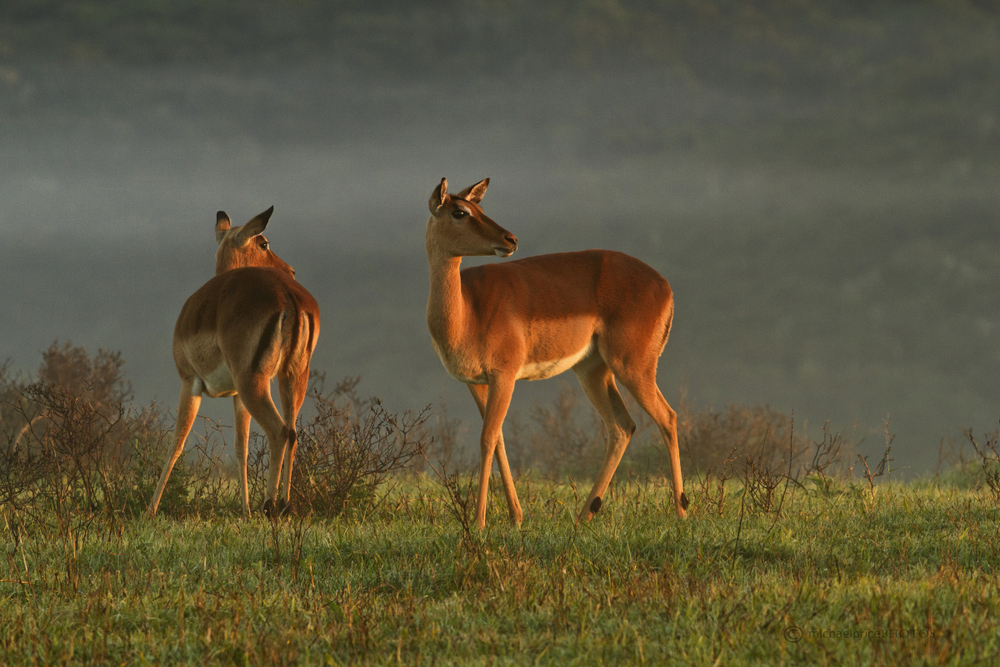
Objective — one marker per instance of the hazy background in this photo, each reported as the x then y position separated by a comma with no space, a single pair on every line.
817,180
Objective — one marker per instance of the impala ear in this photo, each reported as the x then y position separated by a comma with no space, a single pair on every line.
222,225
256,226
438,196
474,193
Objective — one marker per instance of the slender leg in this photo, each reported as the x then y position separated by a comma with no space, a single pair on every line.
479,393
642,386
497,402
256,396
242,440
599,384
292,389
187,410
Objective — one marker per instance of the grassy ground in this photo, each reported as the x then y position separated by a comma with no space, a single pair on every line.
902,575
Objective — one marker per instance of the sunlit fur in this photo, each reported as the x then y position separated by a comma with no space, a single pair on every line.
251,323
604,314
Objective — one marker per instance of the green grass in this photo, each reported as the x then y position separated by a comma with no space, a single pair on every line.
902,576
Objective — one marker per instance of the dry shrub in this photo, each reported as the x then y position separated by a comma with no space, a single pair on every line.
73,453
755,447
11,388
81,455
98,381
988,454
75,380
70,443
882,467
443,449
81,462
347,450
709,438
565,438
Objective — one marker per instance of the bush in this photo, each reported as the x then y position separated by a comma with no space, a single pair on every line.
86,456
567,438
709,438
348,449
71,443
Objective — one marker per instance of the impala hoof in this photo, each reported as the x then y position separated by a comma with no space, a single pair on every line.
269,509
273,510
596,505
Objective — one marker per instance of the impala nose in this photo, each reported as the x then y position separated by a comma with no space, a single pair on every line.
511,239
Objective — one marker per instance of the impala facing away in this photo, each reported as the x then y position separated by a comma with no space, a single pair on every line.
604,314
248,324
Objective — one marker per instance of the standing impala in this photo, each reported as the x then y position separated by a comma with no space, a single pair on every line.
248,324
604,314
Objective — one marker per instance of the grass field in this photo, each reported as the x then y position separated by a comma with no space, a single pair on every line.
902,574
854,149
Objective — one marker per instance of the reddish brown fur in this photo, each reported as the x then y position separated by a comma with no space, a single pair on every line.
604,314
250,323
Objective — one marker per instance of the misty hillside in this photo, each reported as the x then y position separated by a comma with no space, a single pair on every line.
818,183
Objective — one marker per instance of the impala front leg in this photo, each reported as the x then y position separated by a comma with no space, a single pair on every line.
479,393
187,410
498,396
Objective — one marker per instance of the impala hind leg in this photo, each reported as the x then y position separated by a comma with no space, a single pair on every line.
480,394
187,410
292,389
257,399
599,384
643,388
242,444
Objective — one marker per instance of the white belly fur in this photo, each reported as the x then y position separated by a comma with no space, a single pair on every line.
217,383
547,369
529,371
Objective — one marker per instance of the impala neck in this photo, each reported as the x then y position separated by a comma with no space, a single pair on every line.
445,305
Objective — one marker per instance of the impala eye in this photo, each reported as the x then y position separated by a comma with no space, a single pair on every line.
458,213
263,245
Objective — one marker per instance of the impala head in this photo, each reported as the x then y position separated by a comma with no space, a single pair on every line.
459,228
246,245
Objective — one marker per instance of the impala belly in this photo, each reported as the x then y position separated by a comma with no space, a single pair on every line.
539,370
217,383
212,376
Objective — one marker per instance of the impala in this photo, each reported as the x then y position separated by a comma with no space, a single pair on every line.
604,314
250,323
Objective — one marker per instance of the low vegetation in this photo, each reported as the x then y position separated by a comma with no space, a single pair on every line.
785,558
